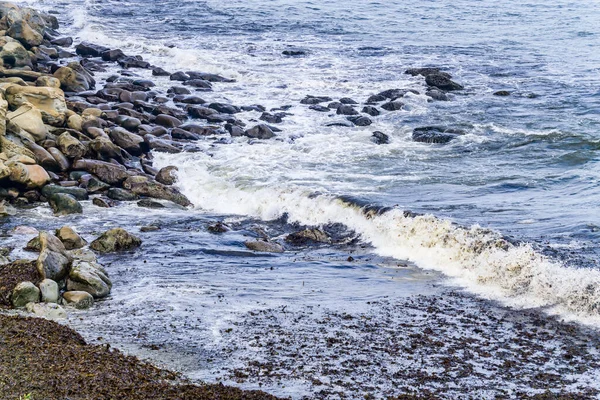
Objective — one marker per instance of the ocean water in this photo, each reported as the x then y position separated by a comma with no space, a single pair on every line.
510,210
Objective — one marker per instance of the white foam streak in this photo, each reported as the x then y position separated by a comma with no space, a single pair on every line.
478,259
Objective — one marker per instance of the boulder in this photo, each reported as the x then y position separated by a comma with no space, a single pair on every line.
310,100
79,300
264,246
22,31
48,310
78,193
107,172
70,146
260,131
89,277
167,121
70,238
131,142
145,187
24,293
426,71
307,236
116,239
380,138
104,203
64,204
50,101
393,106
88,49
167,175
442,82
121,194
147,203
49,291
372,111
74,78
346,110
42,157
360,120
105,148
13,54
62,161
437,94
29,176
29,118
435,134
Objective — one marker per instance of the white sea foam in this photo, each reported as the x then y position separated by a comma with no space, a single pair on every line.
478,259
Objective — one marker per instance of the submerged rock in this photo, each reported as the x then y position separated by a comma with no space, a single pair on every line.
307,236
264,246
435,134
116,239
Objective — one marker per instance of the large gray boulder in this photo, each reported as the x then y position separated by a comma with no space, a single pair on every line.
89,277
49,291
23,293
53,261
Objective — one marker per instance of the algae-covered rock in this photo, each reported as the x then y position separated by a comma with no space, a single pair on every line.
23,293
64,204
116,239
89,277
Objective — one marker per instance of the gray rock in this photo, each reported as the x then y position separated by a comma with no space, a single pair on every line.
89,277
393,106
167,175
380,138
24,293
264,246
260,131
53,261
442,82
77,193
372,111
145,187
346,110
50,310
360,121
78,299
121,194
107,172
116,239
64,204
49,291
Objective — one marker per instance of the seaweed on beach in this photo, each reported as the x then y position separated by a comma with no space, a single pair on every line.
47,360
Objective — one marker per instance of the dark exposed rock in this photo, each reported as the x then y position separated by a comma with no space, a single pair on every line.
90,49
147,203
64,204
116,239
437,94
179,90
294,52
234,130
104,203
393,106
133,62
218,227
167,175
347,100
346,110
179,76
113,55
442,82
502,93
146,187
264,246
64,41
107,172
198,83
372,111
311,100
77,193
203,130
121,194
435,134
157,71
376,98
426,71
320,108
208,77
271,118
191,100
167,121
254,107
380,138
360,120
260,131
224,108
307,236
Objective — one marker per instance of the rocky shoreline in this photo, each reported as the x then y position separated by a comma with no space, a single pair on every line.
67,137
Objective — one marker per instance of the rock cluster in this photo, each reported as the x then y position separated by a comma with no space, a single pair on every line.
65,272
